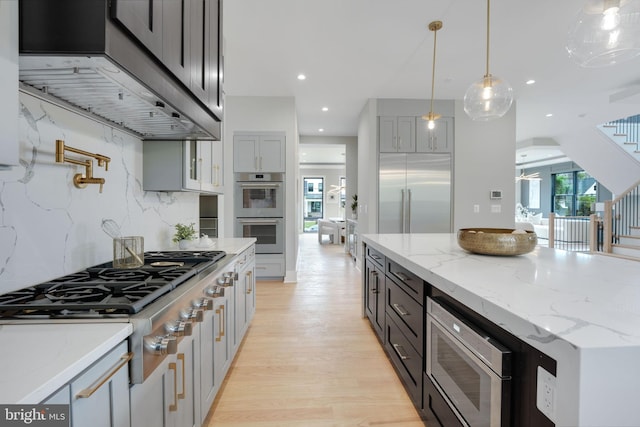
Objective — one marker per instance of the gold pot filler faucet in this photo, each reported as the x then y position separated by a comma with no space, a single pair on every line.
82,180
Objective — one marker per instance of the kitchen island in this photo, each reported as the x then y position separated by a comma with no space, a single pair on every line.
581,310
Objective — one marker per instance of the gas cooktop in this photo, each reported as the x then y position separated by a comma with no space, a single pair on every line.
104,291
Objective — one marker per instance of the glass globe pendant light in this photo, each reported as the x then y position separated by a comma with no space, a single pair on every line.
606,32
431,117
490,97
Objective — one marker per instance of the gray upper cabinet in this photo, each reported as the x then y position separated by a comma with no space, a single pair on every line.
183,166
397,134
259,153
143,18
437,140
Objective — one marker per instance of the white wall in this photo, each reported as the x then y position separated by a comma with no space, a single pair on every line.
483,161
601,158
259,114
48,227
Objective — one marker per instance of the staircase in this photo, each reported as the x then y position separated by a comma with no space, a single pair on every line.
626,133
621,223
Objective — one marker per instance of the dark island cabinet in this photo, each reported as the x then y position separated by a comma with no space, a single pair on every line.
404,335
375,290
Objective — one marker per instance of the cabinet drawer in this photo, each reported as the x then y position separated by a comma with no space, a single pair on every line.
407,313
375,256
406,359
435,409
408,281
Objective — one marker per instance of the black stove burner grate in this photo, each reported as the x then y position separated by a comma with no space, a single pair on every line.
105,291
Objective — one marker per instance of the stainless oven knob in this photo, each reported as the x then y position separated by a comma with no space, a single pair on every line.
203,303
226,279
192,314
214,291
161,345
178,328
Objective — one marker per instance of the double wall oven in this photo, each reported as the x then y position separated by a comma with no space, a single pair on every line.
469,369
259,210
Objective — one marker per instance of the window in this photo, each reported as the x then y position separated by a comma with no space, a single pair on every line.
312,206
573,193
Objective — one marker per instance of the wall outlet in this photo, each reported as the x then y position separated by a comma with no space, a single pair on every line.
496,208
476,208
546,393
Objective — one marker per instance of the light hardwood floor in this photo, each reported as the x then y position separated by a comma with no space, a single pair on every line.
309,359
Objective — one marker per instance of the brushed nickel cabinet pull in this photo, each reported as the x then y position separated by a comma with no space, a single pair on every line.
400,350
400,309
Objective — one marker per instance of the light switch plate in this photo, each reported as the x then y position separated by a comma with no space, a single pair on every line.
546,393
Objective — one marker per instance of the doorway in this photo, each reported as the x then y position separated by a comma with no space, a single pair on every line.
312,202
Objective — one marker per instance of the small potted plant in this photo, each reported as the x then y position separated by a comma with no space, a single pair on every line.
354,206
184,233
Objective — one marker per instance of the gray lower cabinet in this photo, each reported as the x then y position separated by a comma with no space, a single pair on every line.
245,293
99,396
167,397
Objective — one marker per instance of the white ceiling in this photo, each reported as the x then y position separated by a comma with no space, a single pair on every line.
352,50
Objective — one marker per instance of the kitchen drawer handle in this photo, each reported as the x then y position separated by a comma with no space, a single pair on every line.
221,325
181,358
398,348
87,392
400,309
174,406
250,287
374,256
402,276
374,276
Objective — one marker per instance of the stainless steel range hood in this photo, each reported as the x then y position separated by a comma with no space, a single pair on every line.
72,51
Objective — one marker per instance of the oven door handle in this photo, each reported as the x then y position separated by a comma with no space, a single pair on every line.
260,185
259,221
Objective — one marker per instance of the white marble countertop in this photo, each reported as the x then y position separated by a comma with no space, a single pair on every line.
581,309
37,359
231,245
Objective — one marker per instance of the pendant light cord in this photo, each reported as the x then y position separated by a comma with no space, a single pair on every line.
433,69
488,22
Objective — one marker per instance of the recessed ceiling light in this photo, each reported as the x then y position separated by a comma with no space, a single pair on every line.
301,77
320,130
549,115
325,108
530,82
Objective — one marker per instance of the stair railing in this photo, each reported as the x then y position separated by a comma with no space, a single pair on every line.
629,128
620,214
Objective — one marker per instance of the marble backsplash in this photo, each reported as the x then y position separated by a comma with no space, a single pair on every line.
48,227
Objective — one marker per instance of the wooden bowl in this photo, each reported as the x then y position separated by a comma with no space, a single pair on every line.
497,241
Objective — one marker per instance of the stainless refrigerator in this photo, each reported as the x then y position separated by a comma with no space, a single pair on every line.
415,193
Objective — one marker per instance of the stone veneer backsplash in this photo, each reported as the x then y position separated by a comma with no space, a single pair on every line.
48,227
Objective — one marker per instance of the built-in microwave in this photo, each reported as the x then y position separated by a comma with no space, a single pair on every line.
469,369
259,195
